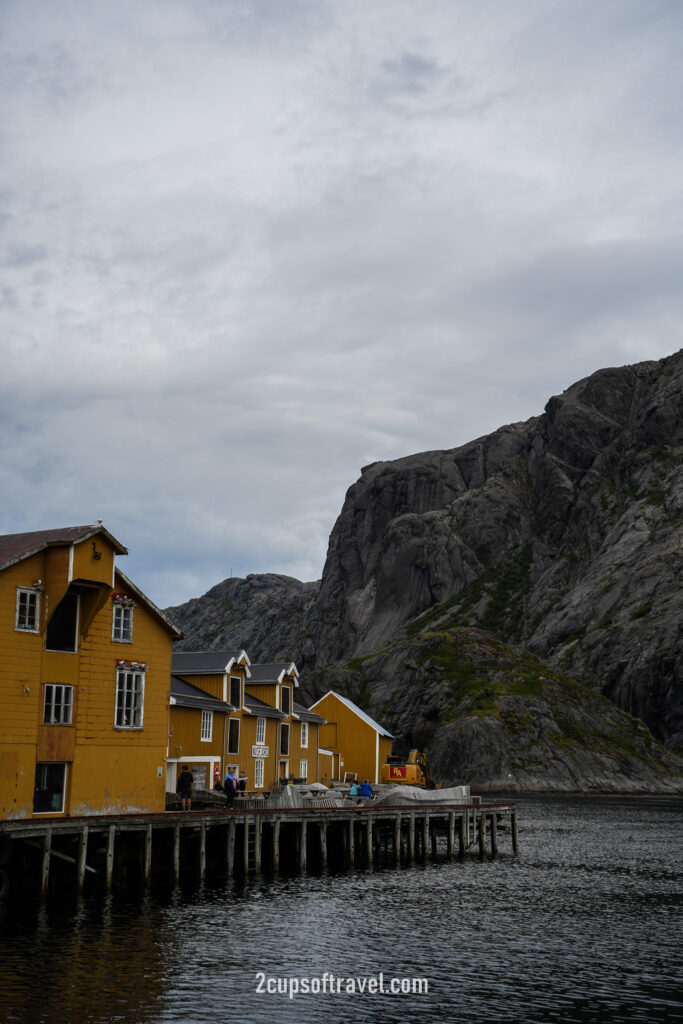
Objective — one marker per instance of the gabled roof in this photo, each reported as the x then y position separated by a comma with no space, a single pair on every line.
207,663
274,672
149,604
189,696
357,711
15,547
259,707
307,716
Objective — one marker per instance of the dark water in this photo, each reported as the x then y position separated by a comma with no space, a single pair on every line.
584,925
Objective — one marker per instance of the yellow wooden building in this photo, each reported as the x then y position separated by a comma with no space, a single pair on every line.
84,686
354,743
266,735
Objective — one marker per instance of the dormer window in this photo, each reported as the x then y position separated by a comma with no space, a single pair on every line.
235,691
286,700
28,610
122,619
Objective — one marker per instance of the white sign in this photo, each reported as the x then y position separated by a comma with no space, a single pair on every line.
260,751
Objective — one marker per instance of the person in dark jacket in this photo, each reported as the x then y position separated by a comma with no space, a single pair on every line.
230,785
184,788
366,789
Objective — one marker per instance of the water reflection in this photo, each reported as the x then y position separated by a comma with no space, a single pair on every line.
583,926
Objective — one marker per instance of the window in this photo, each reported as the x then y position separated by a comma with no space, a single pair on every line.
260,731
122,619
28,610
48,792
235,691
234,736
207,726
58,704
258,773
303,770
130,697
62,629
284,738
286,700
304,734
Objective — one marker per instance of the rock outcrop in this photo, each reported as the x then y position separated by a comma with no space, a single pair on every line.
562,536
564,533
267,614
498,718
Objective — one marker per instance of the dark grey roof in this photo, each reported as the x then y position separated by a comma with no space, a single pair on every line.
16,546
204,662
307,716
270,673
259,707
189,696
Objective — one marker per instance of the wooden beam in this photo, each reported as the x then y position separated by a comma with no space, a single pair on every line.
82,856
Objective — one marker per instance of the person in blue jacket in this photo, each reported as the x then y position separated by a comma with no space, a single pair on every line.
366,789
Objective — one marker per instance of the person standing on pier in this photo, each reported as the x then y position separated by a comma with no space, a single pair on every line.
184,788
230,785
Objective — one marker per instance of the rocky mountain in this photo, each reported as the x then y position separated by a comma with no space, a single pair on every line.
498,718
267,614
560,536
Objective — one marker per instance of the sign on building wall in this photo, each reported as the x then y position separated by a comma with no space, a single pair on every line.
257,751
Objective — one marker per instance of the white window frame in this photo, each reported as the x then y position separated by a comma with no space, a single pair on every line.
122,632
260,732
135,679
239,730
304,735
207,726
65,694
303,770
237,679
31,622
259,773
288,691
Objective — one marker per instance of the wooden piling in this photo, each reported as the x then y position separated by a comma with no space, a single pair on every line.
450,846
482,835
176,852
109,870
230,848
368,840
45,873
302,845
82,856
258,835
411,838
147,855
276,845
202,852
494,836
513,829
462,835
323,845
352,841
425,837
397,839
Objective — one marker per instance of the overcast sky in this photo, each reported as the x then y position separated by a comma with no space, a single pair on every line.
249,247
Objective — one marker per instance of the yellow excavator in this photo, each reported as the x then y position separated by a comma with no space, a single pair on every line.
408,771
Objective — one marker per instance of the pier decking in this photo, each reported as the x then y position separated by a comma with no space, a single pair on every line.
112,850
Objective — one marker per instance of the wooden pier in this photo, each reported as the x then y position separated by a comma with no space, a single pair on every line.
40,855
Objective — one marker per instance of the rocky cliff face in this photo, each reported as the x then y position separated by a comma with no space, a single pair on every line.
561,535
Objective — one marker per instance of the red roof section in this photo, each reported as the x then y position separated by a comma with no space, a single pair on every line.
14,547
